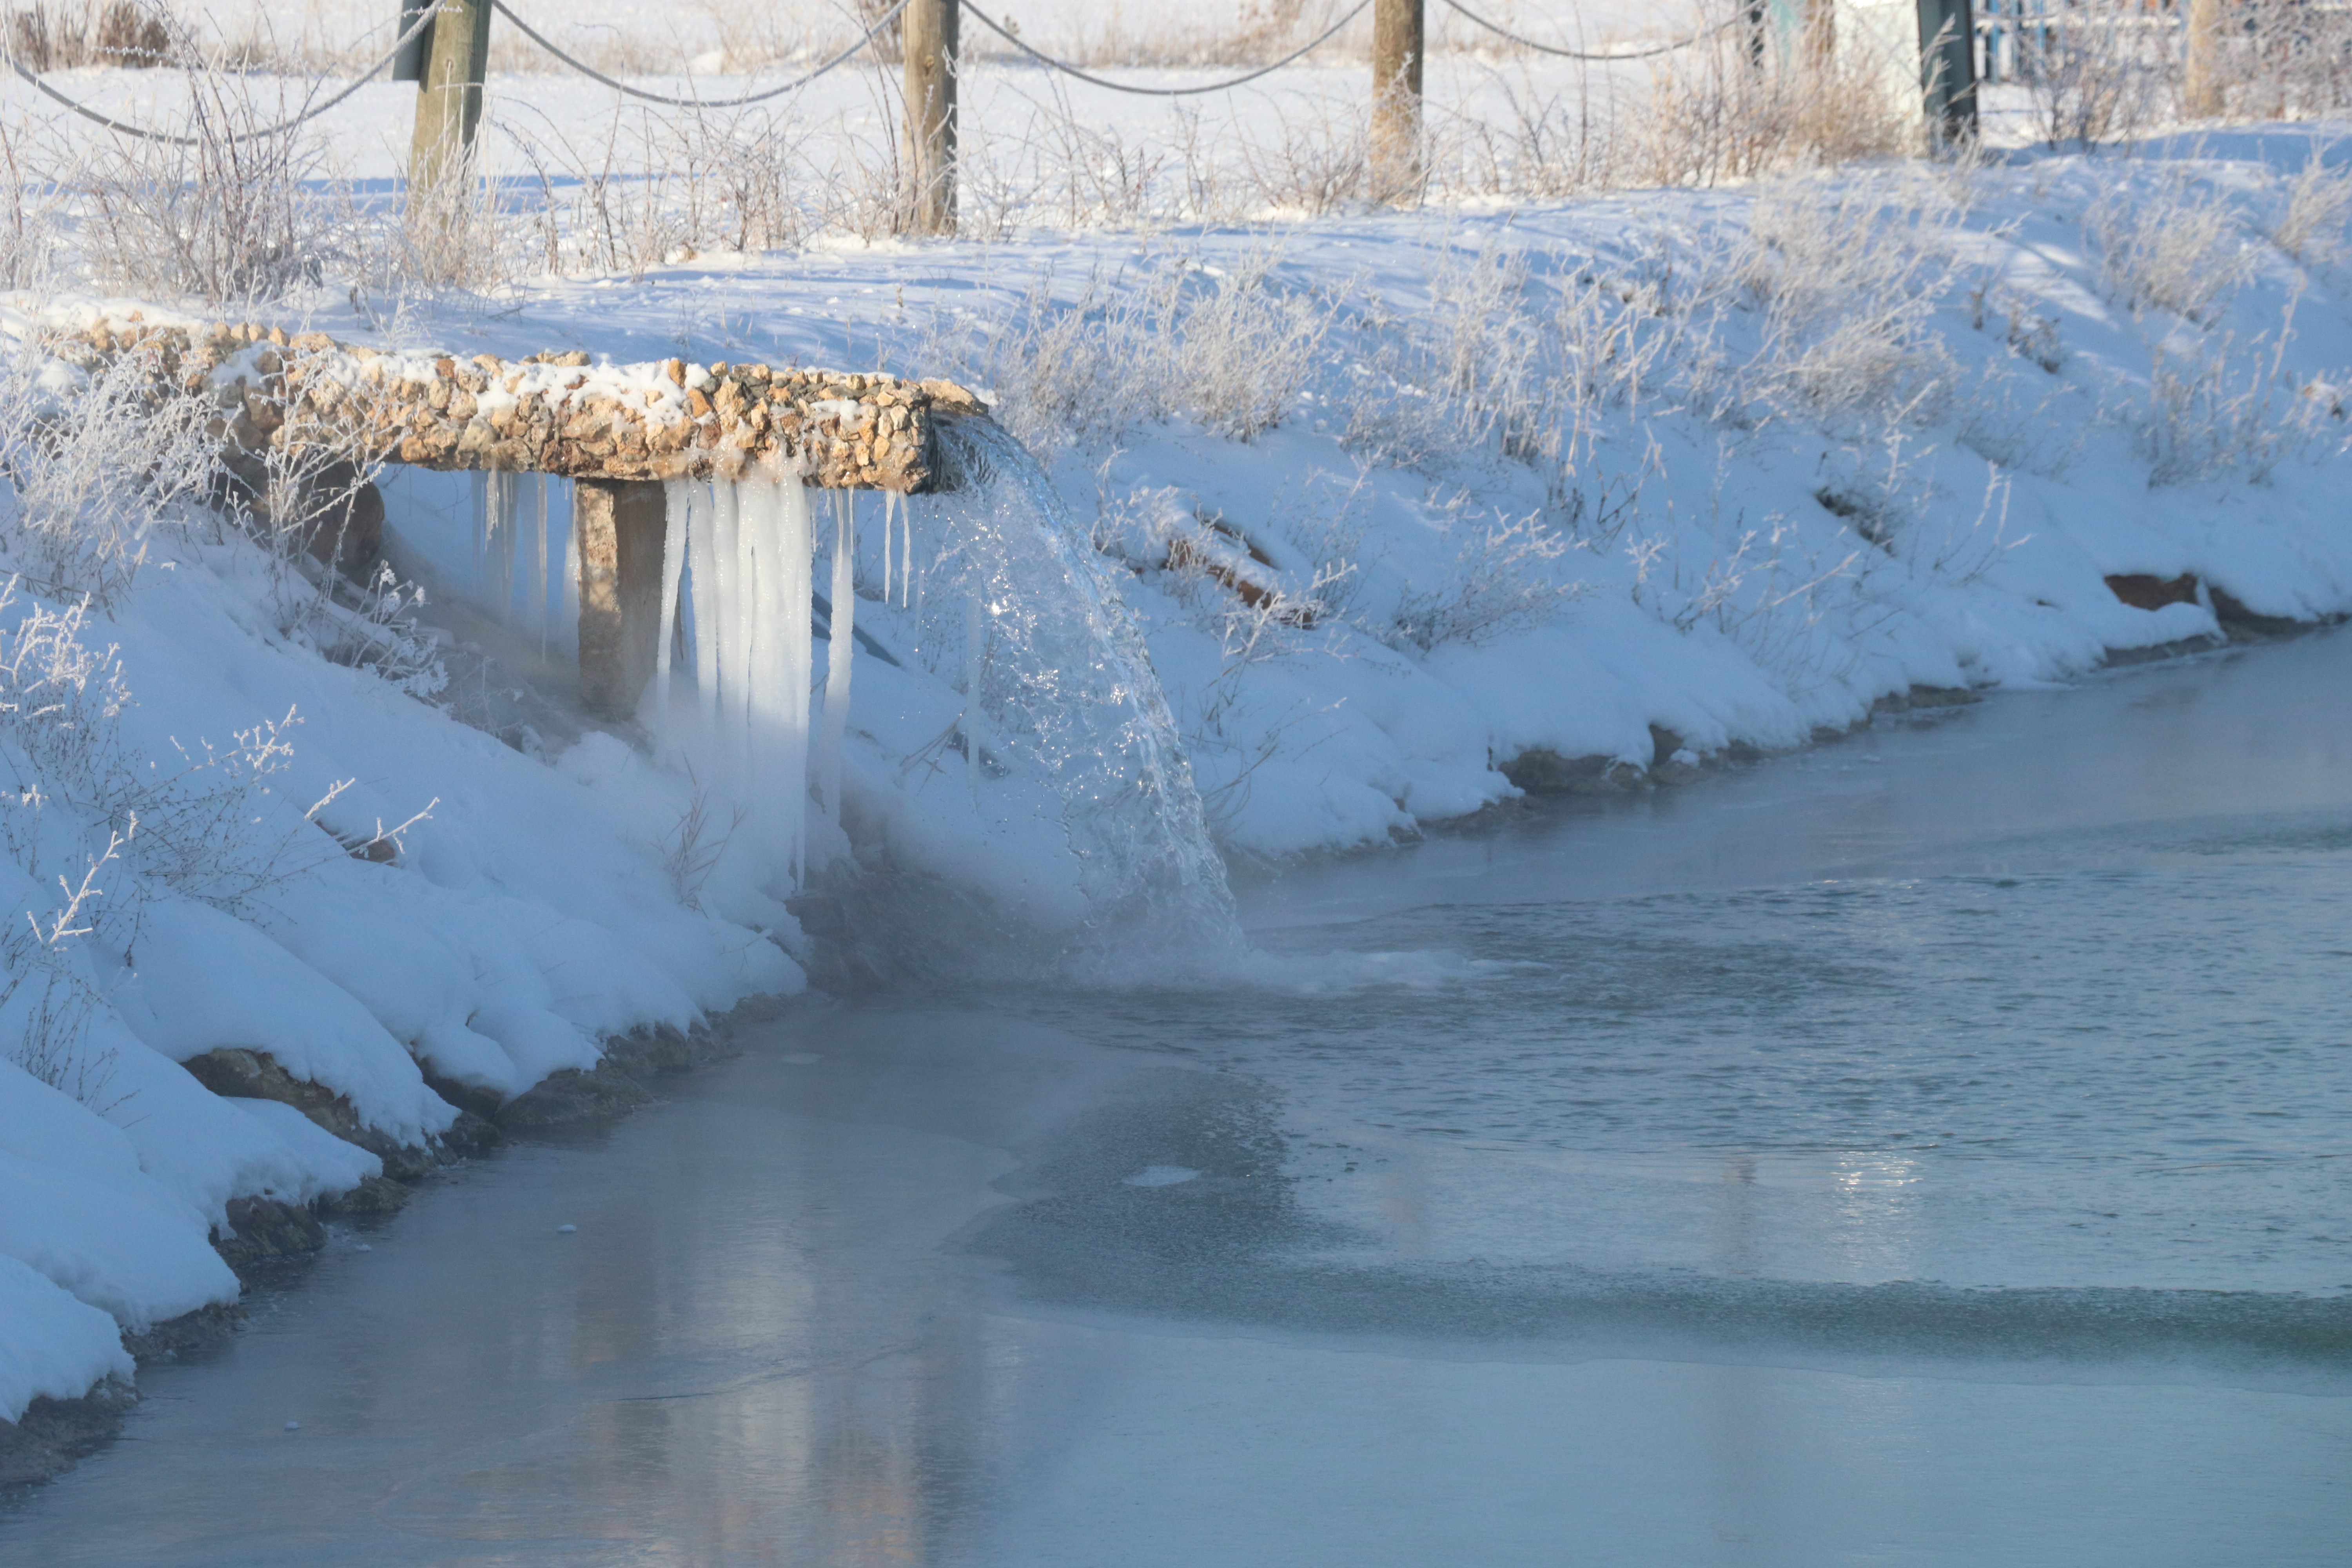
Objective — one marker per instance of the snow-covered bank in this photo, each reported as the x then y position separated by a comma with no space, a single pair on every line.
205,852
1406,505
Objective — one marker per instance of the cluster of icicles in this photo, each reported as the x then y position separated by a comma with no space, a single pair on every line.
989,589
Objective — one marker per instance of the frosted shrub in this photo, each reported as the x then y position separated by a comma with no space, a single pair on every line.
2228,410
228,218
1233,355
2276,60
1503,578
2099,75
2318,205
1715,115
1246,351
91,461
29,239
2176,248
1849,277
1789,606
89,830
454,232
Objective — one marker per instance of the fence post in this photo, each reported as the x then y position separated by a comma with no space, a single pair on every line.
1947,68
449,101
409,64
1397,50
2201,88
930,92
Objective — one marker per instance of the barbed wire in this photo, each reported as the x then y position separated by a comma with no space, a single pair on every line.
1598,54
424,20
993,26
589,71
172,139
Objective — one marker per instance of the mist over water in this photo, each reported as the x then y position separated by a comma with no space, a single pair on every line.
1931,1149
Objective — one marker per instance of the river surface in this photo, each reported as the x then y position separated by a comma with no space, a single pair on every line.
1932,1148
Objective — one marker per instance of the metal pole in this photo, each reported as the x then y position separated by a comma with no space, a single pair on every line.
449,103
1397,52
1947,68
409,64
931,90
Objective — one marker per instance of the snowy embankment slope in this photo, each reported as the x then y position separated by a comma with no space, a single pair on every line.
187,732
1407,505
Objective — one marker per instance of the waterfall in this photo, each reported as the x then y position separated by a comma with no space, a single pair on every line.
1060,685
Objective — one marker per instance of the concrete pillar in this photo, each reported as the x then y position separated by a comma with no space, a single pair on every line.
1397,52
621,525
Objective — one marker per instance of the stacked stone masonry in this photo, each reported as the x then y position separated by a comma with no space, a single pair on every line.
552,413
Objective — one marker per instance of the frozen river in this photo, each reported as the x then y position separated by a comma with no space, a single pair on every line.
1935,1149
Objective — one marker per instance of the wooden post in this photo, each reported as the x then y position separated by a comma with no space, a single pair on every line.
2201,88
1819,28
930,92
1397,50
621,526
1947,68
449,104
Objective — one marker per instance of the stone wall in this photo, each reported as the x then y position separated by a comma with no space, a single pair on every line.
553,413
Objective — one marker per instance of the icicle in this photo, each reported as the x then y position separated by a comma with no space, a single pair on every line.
538,611
793,609
887,495
973,632
748,664
710,613
675,501
498,544
840,650
571,567
905,548
918,571
477,497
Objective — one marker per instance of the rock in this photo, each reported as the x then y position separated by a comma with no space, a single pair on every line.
263,1231
2144,590
374,1198
862,431
2240,621
471,1135
199,1330
54,1433
241,1074
572,1097
471,1099
1545,771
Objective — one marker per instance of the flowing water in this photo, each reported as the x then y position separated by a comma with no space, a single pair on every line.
1929,1150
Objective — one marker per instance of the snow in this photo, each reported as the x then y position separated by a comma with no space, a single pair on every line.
51,1344
536,906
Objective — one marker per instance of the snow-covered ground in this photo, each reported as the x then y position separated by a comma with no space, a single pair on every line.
1403,504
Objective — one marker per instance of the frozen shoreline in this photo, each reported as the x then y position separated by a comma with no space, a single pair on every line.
272,1238
1319,495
